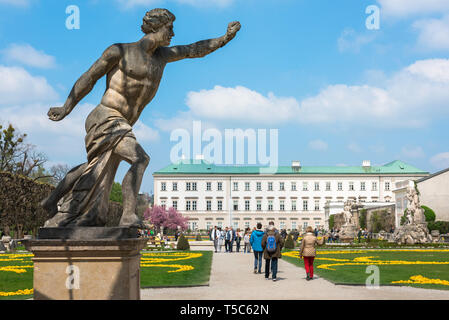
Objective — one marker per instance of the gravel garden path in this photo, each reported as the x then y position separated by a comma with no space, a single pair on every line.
232,278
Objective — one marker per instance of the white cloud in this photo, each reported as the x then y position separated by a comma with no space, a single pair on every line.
318,145
25,101
436,70
241,104
409,98
433,34
440,160
27,55
406,8
18,86
144,133
412,152
351,41
60,139
343,103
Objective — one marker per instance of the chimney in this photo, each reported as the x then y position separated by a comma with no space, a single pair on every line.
296,165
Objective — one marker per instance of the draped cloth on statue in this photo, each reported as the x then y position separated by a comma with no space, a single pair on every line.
86,204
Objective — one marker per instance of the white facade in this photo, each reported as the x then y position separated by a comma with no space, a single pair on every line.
434,193
292,201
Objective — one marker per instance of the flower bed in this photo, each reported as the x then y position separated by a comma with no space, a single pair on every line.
396,266
16,276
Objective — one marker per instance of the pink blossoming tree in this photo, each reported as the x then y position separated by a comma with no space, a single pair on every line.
162,218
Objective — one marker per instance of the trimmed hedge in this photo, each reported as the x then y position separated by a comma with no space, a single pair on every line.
289,243
20,209
183,243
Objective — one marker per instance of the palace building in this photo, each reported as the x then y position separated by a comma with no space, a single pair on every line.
294,197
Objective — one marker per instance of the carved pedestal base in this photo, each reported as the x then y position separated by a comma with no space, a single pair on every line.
97,269
412,233
348,232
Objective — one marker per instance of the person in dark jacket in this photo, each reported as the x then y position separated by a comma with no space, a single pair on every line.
272,257
256,244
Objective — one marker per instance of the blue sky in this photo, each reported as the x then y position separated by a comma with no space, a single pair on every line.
337,92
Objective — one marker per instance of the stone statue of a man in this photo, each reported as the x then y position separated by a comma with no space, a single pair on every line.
347,212
414,207
133,73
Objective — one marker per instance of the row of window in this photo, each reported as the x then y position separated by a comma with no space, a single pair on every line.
191,205
192,186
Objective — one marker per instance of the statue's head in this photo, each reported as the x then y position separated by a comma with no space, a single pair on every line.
159,21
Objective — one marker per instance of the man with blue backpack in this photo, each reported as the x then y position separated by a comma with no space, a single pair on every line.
272,244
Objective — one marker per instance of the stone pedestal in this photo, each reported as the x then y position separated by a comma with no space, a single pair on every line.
6,243
412,233
86,269
348,232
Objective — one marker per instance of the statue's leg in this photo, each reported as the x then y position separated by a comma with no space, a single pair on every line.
50,204
130,151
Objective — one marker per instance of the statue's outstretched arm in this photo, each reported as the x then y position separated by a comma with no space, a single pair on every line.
86,82
201,48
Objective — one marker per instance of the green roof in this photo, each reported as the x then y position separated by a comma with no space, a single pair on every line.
204,167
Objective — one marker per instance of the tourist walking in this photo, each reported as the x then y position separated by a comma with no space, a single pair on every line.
221,239
256,244
231,241
227,239
238,239
215,236
284,234
308,250
247,244
272,244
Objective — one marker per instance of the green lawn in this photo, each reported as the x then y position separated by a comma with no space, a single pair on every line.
193,268
12,281
157,276
350,266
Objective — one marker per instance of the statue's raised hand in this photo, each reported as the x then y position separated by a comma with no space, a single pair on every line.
233,28
56,113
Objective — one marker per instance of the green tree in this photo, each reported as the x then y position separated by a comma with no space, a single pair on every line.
331,221
116,193
376,223
20,158
362,218
9,145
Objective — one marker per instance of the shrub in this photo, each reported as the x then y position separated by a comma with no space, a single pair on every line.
289,244
362,218
198,237
183,244
429,213
376,222
404,218
331,221
442,226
